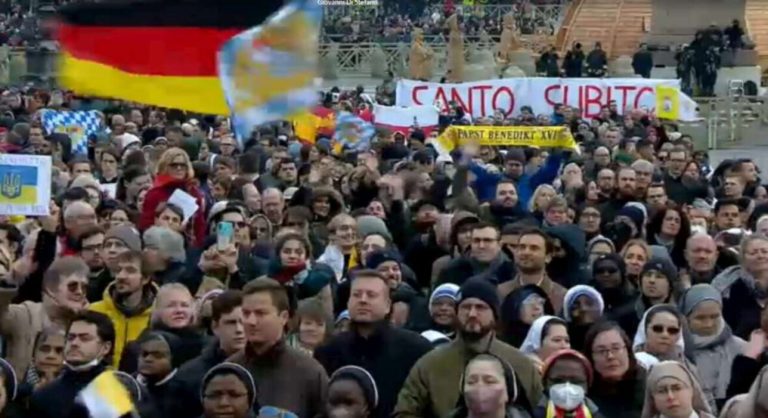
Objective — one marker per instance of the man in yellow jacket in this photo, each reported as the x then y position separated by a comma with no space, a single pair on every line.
128,300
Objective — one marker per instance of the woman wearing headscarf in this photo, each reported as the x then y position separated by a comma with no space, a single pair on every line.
609,277
711,344
618,388
660,337
352,392
582,307
518,311
672,391
159,362
548,334
753,404
489,388
228,390
567,375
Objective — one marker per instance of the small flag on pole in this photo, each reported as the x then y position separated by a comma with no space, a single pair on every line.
667,102
269,72
106,397
353,132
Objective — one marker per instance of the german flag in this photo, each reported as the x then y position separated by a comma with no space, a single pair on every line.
157,52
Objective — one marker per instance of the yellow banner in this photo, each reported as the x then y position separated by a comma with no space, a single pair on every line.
667,102
507,136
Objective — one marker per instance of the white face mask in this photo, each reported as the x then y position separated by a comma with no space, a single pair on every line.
566,396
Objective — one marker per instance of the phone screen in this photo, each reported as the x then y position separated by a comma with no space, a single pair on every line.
225,234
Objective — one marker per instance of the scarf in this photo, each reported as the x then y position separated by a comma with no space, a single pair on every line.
555,412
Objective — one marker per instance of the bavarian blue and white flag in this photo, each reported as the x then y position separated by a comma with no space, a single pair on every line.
352,132
270,72
77,125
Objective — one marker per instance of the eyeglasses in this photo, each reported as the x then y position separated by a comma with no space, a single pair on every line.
658,329
178,166
94,247
613,351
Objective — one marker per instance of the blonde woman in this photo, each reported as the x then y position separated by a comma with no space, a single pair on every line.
635,254
541,197
174,172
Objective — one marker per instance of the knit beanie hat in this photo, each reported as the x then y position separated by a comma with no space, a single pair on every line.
85,181
515,154
126,234
369,224
482,289
376,258
446,290
238,371
633,213
363,378
166,240
571,354
663,266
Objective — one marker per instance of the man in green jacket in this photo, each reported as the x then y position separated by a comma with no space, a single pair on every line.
432,387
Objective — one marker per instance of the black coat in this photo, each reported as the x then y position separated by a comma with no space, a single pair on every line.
741,310
185,386
744,371
57,399
462,268
192,343
388,355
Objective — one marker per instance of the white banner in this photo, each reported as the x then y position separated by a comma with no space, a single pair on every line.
481,98
405,116
25,184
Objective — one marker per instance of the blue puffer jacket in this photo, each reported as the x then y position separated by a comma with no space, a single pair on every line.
485,182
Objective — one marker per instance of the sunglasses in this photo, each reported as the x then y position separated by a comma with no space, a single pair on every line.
75,286
239,224
606,270
177,166
658,329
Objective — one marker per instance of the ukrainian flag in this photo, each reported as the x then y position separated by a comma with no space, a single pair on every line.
18,184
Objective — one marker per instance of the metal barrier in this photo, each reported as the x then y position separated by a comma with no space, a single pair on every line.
354,59
727,121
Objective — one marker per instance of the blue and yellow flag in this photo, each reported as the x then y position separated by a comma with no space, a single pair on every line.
18,184
269,72
667,102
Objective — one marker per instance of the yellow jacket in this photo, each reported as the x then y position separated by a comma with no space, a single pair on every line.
127,328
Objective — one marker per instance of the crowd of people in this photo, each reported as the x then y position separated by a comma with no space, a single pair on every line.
391,23
629,278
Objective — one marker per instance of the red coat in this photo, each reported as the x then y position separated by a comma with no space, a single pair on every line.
161,191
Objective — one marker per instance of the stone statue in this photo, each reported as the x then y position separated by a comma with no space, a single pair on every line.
420,58
481,65
378,62
329,62
455,67
507,44
399,64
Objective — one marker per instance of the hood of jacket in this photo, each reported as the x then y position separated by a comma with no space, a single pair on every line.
571,238
112,302
723,281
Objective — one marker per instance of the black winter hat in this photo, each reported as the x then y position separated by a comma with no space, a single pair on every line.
482,289
663,266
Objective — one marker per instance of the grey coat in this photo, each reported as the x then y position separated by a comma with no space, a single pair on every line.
713,357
